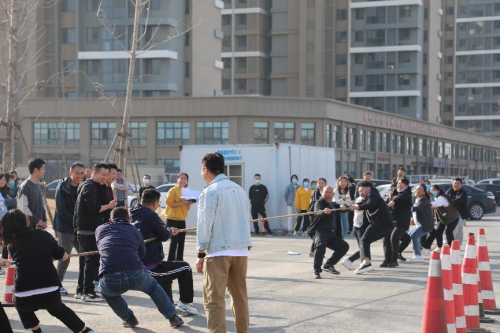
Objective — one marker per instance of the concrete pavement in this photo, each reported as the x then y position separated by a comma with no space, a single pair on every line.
285,298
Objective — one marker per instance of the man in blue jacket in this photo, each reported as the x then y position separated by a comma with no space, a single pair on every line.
121,247
63,220
165,272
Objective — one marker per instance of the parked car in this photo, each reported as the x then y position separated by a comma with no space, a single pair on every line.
163,189
384,189
50,189
479,202
495,181
376,182
495,189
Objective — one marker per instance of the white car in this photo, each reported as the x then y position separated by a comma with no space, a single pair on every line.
494,181
163,189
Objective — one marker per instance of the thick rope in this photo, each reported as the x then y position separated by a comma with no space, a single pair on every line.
91,253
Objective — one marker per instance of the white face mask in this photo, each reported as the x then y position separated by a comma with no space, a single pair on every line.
145,181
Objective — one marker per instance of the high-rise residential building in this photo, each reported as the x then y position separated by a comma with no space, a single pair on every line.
472,65
381,54
89,48
246,47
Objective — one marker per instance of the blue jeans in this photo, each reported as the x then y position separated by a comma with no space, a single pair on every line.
344,223
113,285
415,235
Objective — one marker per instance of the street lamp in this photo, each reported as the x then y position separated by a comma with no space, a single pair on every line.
446,166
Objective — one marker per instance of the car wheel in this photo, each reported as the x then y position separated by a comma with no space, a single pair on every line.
476,211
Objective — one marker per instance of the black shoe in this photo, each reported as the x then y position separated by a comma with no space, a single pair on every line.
316,275
175,321
331,269
400,257
131,322
384,263
393,264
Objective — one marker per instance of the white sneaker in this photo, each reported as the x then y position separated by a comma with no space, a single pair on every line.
348,264
426,252
186,309
295,233
417,259
364,268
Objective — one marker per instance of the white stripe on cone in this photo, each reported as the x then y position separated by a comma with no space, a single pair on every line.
469,278
470,252
434,268
9,289
445,264
451,328
448,295
482,240
488,294
472,310
460,322
458,289
483,266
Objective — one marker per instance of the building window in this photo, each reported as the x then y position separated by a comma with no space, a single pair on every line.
241,42
102,134
67,6
69,67
53,134
448,92
404,11
340,81
112,9
226,84
242,20
449,60
308,134
404,57
153,67
448,76
284,132
92,35
341,37
186,70
171,165
68,36
328,135
448,43
383,142
172,133
448,27
139,131
341,14
448,108
359,14
212,132
92,5
358,80
370,140
113,71
156,4
341,59
226,20
337,132
404,79
375,15
362,140
404,35
261,132
359,58
116,41
375,37
241,85
350,138
187,39
450,11
359,36
404,102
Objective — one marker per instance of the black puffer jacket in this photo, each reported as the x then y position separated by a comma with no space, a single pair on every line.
87,207
376,210
401,211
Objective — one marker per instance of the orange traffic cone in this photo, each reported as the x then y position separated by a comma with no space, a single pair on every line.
486,281
469,278
433,320
448,288
458,293
8,295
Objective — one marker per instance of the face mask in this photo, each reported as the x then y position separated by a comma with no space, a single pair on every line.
427,188
294,181
313,187
306,184
145,181
434,194
257,181
12,184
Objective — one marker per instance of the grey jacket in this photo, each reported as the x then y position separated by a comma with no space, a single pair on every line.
290,191
223,217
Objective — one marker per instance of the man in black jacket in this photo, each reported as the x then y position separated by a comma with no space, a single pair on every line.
459,197
400,205
88,216
321,231
258,197
63,220
377,214
401,175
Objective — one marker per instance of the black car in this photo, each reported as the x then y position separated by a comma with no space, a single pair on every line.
495,189
479,202
50,189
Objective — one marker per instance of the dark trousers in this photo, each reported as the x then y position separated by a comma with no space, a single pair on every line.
405,241
299,221
27,306
5,252
350,216
168,271
257,210
89,265
176,251
372,234
437,234
358,233
328,239
4,321
391,243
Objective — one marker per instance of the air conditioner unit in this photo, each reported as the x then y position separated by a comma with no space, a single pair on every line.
439,98
438,120
439,76
390,66
440,11
440,55
440,33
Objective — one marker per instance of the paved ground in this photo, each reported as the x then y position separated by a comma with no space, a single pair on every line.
285,298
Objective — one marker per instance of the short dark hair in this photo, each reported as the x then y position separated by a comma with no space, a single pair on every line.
364,184
120,213
323,179
35,163
76,165
402,169
257,175
350,179
112,166
149,196
405,181
458,180
148,176
305,180
97,167
119,170
367,173
214,162
294,176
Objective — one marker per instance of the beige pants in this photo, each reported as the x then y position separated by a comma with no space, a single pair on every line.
223,273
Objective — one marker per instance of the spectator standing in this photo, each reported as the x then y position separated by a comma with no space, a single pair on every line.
4,189
258,197
290,192
29,196
401,175
88,216
120,189
107,191
88,173
146,183
458,195
342,197
176,214
13,184
302,201
66,193
223,237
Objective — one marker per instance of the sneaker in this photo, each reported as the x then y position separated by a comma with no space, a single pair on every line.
89,330
186,309
426,252
92,298
96,285
417,259
63,291
176,321
316,275
270,235
384,263
364,268
131,322
295,234
78,295
393,264
400,257
330,269
348,264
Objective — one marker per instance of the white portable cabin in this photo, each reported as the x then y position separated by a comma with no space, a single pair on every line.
276,163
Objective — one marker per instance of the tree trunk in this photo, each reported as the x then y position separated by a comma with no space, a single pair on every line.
10,133
122,159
